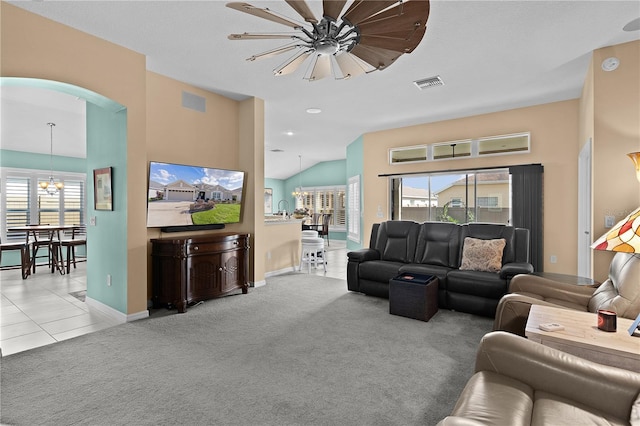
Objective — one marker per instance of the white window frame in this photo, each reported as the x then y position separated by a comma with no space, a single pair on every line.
353,208
310,191
35,176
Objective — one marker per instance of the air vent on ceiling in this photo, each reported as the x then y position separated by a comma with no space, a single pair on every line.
425,83
277,150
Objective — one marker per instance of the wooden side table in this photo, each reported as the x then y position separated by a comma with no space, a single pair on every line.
582,337
414,296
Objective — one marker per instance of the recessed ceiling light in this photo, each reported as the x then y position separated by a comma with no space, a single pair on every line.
289,133
610,64
314,110
632,26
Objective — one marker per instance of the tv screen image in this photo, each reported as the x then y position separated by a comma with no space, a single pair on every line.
183,195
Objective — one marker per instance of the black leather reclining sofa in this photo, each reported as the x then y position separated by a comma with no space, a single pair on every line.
436,248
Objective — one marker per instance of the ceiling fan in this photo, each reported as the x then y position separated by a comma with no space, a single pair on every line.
369,36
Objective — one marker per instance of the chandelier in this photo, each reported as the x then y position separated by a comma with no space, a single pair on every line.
51,186
298,193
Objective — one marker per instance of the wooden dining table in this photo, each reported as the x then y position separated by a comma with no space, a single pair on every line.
36,231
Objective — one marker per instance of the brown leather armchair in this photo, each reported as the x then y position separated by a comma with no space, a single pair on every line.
620,293
521,382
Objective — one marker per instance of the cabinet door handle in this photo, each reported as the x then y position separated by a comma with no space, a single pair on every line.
195,248
220,269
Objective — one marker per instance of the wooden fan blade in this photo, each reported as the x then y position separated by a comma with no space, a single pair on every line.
414,15
262,13
332,8
321,68
292,64
362,10
377,57
351,66
404,45
255,36
303,10
273,52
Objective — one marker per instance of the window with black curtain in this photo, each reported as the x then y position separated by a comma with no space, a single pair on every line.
527,203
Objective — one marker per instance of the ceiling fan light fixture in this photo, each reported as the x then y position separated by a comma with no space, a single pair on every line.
633,25
376,32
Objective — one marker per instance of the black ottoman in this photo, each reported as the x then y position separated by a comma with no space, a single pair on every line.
413,296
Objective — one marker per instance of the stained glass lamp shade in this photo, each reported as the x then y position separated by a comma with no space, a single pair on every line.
623,237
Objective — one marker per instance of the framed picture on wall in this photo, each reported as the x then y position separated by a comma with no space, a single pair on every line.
102,189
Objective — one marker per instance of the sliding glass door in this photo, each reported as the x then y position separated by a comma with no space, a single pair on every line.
459,197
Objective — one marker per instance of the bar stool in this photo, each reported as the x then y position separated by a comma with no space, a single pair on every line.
312,252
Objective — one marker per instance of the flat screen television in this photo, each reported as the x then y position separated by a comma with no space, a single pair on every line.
184,197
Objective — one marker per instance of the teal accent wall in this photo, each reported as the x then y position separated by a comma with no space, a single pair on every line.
107,240
106,147
278,193
355,167
326,173
29,160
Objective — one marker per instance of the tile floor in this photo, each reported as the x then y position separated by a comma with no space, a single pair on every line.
40,310
336,261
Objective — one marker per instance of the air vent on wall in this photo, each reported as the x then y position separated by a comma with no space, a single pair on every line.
194,102
425,83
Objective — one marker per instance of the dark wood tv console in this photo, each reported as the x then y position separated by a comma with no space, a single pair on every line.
191,269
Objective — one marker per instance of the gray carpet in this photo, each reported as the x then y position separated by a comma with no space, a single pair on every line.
301,350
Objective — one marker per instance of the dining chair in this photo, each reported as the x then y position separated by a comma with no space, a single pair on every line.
72,238
38,239
16,242
323,230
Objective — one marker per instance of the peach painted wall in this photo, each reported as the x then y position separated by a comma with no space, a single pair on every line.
554,144
616,132
251,149
35,47
158,128
212,139
282,246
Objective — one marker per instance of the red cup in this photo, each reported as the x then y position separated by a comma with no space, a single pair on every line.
607,320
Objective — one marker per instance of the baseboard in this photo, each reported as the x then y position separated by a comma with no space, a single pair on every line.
259,283
280,272
114,313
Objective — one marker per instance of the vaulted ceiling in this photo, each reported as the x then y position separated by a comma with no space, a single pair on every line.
491,55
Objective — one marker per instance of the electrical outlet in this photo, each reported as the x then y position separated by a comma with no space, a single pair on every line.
108,280
268,255
92,221
553,258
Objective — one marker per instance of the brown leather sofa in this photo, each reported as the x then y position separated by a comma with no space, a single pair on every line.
520,382
620,293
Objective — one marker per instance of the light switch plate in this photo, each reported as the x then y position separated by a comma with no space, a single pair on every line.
609,221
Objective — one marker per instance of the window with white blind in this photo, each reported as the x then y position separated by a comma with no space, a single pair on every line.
22,202
324,200
354,209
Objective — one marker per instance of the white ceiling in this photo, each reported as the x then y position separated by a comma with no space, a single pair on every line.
492,56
